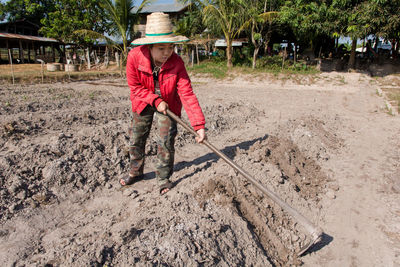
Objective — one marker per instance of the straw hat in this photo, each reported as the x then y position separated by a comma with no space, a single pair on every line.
159,31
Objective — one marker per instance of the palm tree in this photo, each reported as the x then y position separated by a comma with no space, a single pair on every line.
123,16
257,23
229,16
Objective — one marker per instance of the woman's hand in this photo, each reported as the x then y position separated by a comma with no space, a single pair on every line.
162,107
202,135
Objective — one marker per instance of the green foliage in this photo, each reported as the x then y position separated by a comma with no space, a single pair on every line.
32,10
191,24
2,13
219,70
260,23
123,18
69,16
382,18
226,15
273,63
216,69
243,57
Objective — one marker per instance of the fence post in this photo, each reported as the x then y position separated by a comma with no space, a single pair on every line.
69,75
284,57
42,64
12,69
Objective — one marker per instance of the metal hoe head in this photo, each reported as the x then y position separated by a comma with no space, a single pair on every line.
316,237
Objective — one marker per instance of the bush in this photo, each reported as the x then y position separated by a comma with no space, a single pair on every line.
273,63
216,69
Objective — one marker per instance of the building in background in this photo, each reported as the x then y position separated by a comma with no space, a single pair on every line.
20,42
174,10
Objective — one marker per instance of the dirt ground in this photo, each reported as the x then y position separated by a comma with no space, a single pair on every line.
324,143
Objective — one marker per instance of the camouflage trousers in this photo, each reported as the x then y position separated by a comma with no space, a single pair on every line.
139,131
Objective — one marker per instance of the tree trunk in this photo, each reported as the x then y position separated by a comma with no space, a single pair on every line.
192,57
295,54
61,54
229,53
256,45
64,54
117,58
106,60
363,47
197,54
267,37
395,46
352,59
284,57
88,58
336,44
255,54
125,50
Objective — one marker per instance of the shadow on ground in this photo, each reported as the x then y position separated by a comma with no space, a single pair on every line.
210,158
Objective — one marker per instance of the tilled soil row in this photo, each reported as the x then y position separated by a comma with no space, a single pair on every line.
77,141
60,160
276,233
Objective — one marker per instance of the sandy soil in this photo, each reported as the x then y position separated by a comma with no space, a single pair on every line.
324,143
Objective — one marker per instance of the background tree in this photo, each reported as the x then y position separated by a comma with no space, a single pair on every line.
191,23
2,11
123,16
31,10
349,18
229,16
71,15
307,20
383,19
259,20
226,16
333,18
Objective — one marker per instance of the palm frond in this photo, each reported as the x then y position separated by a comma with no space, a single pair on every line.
269,16
97,36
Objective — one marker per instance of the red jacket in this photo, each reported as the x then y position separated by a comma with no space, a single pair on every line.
175,86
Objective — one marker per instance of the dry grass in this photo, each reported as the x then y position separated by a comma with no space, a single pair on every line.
393,93
32,73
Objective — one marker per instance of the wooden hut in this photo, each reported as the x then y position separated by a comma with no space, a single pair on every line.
21,43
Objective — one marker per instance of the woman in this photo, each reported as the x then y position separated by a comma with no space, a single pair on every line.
158,81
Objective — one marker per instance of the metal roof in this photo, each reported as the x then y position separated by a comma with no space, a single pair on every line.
26,37
168,8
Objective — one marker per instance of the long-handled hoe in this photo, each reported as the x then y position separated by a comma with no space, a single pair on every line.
314,231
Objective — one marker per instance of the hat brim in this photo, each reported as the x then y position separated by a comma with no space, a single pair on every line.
159,40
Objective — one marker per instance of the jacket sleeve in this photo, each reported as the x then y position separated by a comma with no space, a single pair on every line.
138,90
189,99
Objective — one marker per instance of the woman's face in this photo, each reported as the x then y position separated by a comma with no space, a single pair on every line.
161,52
